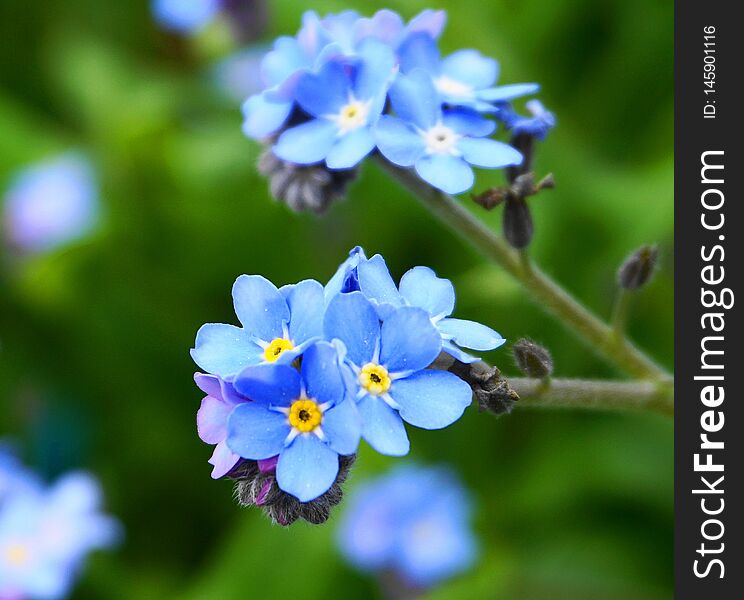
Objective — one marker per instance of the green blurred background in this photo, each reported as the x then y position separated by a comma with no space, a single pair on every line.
94,339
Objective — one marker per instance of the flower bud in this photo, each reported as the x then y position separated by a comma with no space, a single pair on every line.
304,187
532,359
490,390
517,224
637,269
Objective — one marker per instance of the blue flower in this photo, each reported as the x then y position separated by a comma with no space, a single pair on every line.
414,521
239,75
388,371
419,287
441,146
277,326
465,78
537,125
387,26
345,103
185,15
51,204
45,534
303,417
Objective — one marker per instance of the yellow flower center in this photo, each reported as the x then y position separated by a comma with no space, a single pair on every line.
305,415
275,348
375,379
352,116
17,555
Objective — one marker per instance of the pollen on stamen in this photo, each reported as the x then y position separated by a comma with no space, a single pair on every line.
274,350
375,379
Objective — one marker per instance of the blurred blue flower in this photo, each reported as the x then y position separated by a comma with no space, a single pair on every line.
46,534
51,203
344,104
414,521
277,326
441,146
185,15
211,420
419,287
302,417
239,75
389,377
537,125
465,78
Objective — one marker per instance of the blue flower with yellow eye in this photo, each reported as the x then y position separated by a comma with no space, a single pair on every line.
464,78
303,417
387,371
277,326
413,521
345,103
440,145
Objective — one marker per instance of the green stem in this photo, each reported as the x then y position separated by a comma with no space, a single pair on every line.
620,312
602,395
598,335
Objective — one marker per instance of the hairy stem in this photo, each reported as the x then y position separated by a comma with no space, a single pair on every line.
595,394
577,318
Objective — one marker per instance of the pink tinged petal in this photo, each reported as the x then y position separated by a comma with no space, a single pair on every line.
382,427
268,465
490,154
211,420
263,493
223,460
421,287
431,399
408,340
307,468
447,173
308,143
209,384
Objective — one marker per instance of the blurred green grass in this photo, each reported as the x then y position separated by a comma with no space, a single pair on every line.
94,339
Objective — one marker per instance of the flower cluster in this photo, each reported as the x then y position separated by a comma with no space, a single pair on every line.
347,86
47,532
413,521
313,369
50,204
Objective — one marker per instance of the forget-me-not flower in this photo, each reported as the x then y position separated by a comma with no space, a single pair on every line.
185,15
51,203
389,377
464,78
414,521
440,145
344,102
46,533
537,125
277,326
302,417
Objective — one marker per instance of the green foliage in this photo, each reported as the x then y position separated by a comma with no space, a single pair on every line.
569,504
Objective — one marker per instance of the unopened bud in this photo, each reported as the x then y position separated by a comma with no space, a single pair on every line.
518,228
638,268
532,359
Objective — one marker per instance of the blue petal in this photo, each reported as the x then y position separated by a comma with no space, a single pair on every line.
322,374
415,100
421,287
457,353
307,468
344,278
255,432
468,122
260,307
350,149
471,68
185,16
385,25
262,117
508,92
445,172
375,71
306,306
408,340
352,319
483,152
324,93
400,144
308,143
286,57
431,399
278,385
428,21
342,425
470,334
224,349
376,283
382,427
419,51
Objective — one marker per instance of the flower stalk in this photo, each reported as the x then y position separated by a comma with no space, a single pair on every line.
598,335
